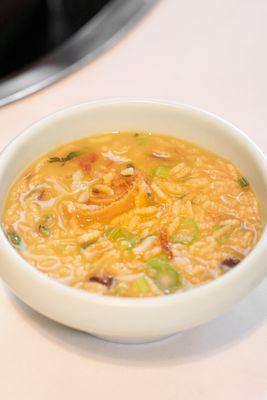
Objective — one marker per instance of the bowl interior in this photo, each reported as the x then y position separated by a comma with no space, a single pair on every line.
187,123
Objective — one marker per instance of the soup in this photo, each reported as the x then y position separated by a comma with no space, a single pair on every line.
132,214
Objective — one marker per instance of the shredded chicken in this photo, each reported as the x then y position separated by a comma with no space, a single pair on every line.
113,157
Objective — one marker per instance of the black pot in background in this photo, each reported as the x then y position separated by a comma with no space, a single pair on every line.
22,32
69,15
14,14
30,29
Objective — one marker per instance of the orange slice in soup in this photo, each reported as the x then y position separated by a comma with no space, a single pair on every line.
103,206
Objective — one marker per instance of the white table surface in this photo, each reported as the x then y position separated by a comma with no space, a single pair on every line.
209,53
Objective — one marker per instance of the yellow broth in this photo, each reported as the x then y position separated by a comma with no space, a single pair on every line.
132,214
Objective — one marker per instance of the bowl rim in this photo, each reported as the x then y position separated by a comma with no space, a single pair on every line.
155,301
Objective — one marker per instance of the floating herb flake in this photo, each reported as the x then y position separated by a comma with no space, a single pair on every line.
243,182
44,230
69,157
14,238
86,245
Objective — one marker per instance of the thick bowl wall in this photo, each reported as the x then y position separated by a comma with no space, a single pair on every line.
120,319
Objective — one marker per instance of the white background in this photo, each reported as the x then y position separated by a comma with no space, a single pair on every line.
208,53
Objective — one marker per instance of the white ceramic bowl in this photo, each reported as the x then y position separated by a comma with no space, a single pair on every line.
121,319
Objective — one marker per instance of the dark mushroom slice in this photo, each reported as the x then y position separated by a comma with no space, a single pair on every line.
230,262
105,280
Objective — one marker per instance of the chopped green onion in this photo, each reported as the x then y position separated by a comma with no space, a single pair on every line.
188,231
159,263
129,243
166,277
44,230
85,245
120,290
216,227
161,171
140,286
69,157
133,241
47,216
125,244
88,243
125,238
116,233
14,238
47,219
243,182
